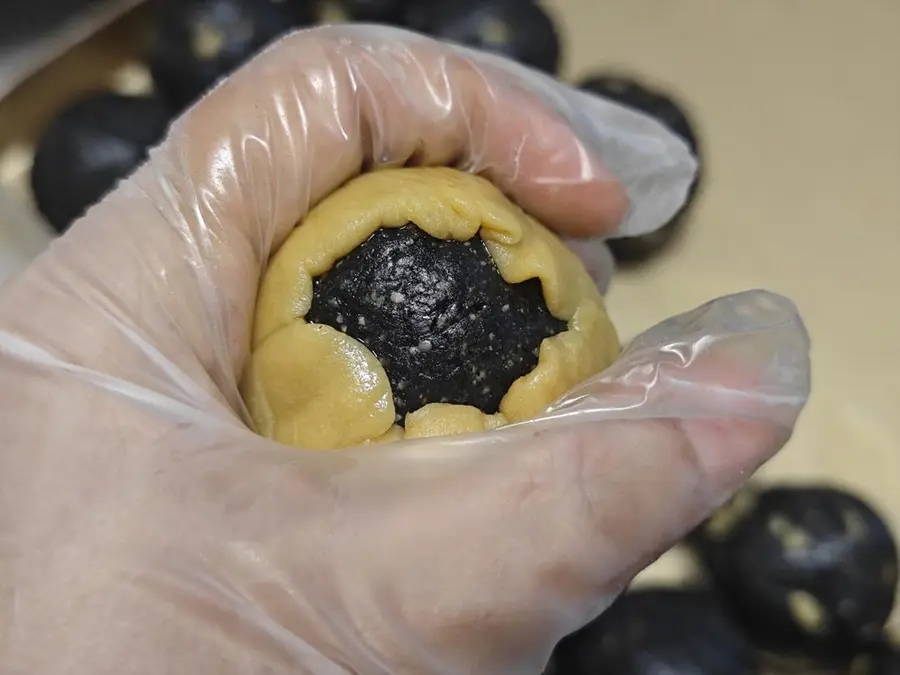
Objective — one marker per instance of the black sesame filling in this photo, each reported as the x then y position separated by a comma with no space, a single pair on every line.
436,313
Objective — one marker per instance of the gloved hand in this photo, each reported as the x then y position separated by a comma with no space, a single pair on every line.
145,529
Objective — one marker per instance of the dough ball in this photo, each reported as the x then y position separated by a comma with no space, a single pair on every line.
448,309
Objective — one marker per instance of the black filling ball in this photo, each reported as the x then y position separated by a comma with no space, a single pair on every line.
663,107
88,148
198,42
438,316
654,631
517,29
810,571
375,11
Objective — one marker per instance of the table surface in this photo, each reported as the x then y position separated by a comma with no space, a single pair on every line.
798,108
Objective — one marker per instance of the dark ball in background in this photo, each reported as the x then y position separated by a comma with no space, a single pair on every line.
521,30
808,570
374,11
653,631
196,43
88,148
638,95
662,106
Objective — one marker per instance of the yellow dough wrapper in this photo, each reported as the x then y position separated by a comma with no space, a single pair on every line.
430,279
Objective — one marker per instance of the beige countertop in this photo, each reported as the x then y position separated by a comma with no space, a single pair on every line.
798,108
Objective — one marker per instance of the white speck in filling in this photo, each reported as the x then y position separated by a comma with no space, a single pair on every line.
481,375
490,336
340,319
397,298
486,390
425,346
505,308
401,385
333,302
361,320
413,350
472,317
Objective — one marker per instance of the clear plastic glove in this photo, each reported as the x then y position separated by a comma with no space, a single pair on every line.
145,529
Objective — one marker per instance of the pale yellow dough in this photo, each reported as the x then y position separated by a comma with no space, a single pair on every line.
316,388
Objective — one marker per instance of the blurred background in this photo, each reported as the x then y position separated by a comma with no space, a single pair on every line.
793,107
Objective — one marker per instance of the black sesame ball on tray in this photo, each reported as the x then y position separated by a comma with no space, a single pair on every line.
196,43
520,30
811,571
92,144
361,11
652,631
639,96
